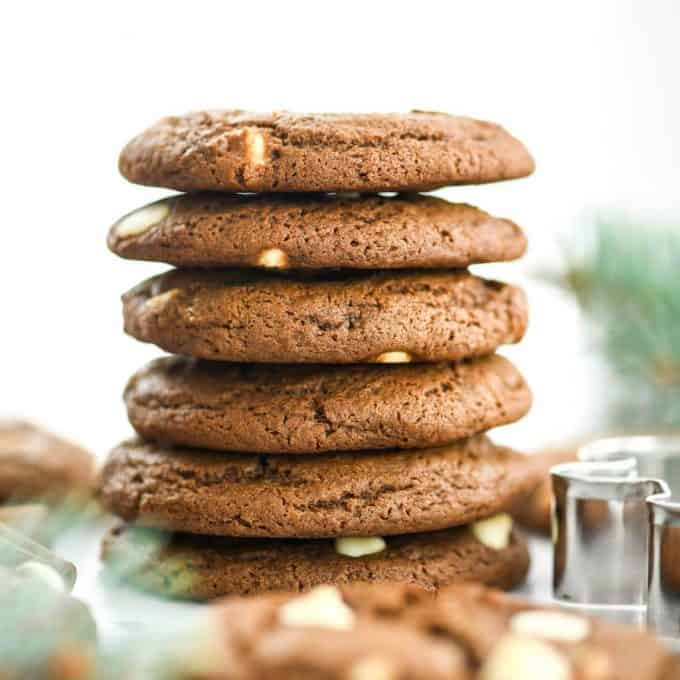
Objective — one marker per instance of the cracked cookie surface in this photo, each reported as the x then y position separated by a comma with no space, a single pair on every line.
238,151
314,232
326,495
311,409
337,318
194,567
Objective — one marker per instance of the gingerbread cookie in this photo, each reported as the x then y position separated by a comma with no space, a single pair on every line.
35,464
326,495
309,409
533,512
194,567
338,318
399,632
237,151
320,232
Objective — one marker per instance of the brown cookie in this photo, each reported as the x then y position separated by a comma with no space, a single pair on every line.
240,315
308,409
35,464
399,632
259,152
326,495
533,512
319,232
194,567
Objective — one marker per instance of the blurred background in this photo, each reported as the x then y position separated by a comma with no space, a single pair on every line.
591,87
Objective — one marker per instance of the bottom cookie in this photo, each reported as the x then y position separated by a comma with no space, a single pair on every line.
186,566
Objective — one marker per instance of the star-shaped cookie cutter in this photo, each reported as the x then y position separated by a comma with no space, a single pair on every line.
616,529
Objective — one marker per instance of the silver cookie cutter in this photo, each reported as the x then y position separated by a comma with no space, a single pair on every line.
616,530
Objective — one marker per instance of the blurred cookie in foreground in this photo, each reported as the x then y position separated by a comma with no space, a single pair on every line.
37,465
534,512
327,495
45,633
398,632
190,567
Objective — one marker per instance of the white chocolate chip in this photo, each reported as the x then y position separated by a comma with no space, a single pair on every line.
394,358
551,625
141,220
356,546
157,301
517,658
321,607
254,146
203,651
272,258
494,532
42,572
372,668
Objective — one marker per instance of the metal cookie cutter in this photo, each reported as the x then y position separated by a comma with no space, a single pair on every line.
616,531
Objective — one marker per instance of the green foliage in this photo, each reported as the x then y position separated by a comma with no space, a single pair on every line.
626,277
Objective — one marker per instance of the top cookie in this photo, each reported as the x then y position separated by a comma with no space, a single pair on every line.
314,232
241,151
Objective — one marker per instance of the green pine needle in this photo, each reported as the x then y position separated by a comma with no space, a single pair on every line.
626,277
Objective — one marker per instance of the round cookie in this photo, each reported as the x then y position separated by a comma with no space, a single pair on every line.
533,512
339,318
400,632
238,151
35,464
309,409
361,632
326,495
193,567
319,232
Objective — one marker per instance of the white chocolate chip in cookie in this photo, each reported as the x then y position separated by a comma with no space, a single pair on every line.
493,532
357,546
141,220
321,607
515,657
551,625
372,668
394,358
156,302
255,146
272,258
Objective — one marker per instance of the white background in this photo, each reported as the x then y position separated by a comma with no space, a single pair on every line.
591,87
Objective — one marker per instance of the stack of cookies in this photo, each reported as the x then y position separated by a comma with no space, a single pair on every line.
323,418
